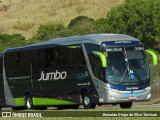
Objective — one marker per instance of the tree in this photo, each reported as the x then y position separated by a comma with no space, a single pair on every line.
8,41
45,31
138,18
81,25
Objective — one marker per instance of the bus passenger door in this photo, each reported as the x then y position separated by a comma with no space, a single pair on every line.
96,63
98,68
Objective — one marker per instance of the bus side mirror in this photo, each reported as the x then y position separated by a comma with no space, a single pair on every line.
102,58
154,56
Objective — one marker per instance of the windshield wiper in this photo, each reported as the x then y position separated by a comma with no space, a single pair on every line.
123,76
127,67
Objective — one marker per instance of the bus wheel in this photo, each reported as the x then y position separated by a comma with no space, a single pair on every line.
126,105
87,102
29,102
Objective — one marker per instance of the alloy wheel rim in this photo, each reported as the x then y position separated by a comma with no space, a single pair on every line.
86,100
28,103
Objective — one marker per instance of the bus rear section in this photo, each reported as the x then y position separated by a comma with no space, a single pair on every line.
2,100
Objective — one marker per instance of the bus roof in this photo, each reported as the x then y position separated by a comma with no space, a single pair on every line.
91,38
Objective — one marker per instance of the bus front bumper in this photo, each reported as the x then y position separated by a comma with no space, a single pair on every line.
117,96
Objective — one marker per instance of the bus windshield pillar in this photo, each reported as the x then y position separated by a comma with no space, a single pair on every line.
102,58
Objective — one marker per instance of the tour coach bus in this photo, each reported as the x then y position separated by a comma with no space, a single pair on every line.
92,70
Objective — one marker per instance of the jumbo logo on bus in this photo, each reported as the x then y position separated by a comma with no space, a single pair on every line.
52,75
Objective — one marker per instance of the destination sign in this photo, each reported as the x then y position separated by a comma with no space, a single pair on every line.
122,43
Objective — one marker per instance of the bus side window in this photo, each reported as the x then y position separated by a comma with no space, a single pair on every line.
11,62
18,59
48,57
95,61
80,57
59,57
96,65
54,57
1,65
75,56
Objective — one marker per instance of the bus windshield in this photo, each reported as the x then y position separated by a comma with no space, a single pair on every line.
126,65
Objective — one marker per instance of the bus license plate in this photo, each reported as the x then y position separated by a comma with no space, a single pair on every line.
132,98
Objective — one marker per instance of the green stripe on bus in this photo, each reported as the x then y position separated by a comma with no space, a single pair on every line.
102,57
154,56
73,46
19,101
49,101
43,101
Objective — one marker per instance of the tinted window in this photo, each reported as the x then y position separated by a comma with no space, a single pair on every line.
55,57
95,61
1,65
61,56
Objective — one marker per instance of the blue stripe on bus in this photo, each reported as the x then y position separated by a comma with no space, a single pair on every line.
132,95
124,87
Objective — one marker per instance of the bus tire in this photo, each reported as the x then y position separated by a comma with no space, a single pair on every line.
126,105
87,101
29,102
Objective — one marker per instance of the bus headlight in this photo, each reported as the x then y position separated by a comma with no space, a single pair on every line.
113,98
148,96
101,99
